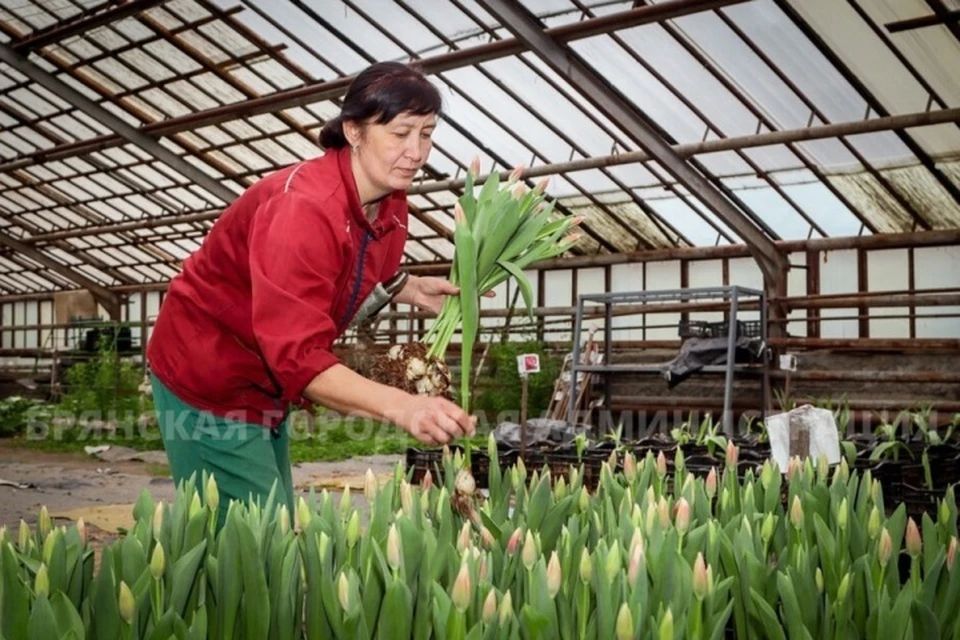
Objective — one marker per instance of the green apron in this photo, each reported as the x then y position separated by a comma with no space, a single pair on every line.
246,460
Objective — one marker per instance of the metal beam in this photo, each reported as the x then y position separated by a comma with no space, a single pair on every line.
919,22
336,88
83,23
889,123
614,106
125,131
107,298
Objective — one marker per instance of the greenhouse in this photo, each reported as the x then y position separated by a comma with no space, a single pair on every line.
472,319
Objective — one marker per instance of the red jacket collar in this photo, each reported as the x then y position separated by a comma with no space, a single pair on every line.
386,219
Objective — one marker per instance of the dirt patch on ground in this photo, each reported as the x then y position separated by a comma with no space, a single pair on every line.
74,485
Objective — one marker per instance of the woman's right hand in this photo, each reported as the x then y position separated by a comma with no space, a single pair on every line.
434,421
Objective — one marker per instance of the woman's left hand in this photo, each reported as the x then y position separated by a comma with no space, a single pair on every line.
427,292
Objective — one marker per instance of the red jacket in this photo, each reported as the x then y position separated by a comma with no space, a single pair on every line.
253,315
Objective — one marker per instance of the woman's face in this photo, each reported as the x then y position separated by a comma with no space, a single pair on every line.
388,156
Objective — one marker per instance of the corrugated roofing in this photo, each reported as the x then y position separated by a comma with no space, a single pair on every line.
114,213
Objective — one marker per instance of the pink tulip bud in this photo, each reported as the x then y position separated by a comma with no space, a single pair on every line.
700,582
462,589
553,575
427,481
459,217
661,464
951,553
490,606
913,538
682,522
516,174
884,547
475,166
514,541
487,538
633,570
663,510
572,238
576,221
710,486
483,569
463,540
733,453
519,191
793,468
629,467
541,186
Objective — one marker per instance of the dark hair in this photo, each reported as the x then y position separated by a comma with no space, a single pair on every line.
382,91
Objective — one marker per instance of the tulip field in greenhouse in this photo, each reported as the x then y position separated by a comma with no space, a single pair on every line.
653,551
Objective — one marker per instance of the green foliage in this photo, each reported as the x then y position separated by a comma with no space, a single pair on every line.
502,392
16,412
104,385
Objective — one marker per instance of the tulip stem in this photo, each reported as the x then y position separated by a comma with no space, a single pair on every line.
696,619
157,600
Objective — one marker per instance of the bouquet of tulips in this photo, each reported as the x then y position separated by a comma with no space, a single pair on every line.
498,233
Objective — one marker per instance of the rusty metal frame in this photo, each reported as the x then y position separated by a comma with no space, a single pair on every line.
569,65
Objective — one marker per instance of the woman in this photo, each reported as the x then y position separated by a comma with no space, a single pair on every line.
246,329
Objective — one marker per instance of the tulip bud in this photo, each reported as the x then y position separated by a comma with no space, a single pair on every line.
951,553
475,167
284,519
211,494
541,187
506,608
586,566
682,522
733,454
767,528
346,501
661,464
515,175
613,564
584,501
944,513
484,569
463,540
873,523
521,469
44,523
823,466
514,541
913,539
195,506
370,486
303,513
487,538
427,481
700,583
796,512
554,575
24,536
663,511
633,568
766,476
443,498
818,580
466,484
158,562
636,516
884,547
462,589
353,529
324,544
519,191
636,540
41,583
560,489
793,468
490,607
625,623
629,467
843,515
343,591
394,554
666,626
530,553
875,491
425,503
748,499
81,528
843,589
710,486
127,605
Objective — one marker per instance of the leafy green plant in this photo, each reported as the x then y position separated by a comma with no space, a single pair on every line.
501,391
17,412
103,385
